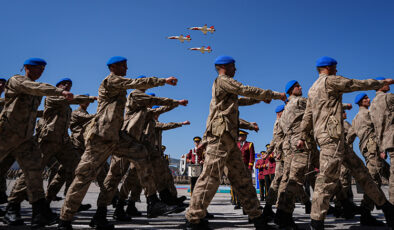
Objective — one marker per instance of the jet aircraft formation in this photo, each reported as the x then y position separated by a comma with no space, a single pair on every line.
205,29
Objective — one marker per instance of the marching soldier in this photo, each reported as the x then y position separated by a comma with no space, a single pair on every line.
54,141
297,163
103,138
276,148
324,113
362,126
221,149
382,116
17,119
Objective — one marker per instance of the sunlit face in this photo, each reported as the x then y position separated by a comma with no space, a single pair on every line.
297,90
366,102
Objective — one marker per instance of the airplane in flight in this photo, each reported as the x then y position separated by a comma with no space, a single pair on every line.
202,49
205,29
181,38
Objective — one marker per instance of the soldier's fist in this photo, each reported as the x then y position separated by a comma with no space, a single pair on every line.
383,155
300,144
186,123
69,96
171,80
388,81
256,126
183,102
283,96
267,101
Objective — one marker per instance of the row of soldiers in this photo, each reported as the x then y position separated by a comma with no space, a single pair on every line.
125,128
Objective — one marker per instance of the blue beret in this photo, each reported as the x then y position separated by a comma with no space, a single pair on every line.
359,97
142,76
380,78
86,94
152,94
63,80
116,59
155,107
35,61
289,85
325,61
223,60
280,108
3,79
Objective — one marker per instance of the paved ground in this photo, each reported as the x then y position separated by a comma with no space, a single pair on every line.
225,215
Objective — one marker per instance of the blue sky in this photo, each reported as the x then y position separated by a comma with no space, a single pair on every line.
272,41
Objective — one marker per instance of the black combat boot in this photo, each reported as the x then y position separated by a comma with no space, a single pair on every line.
131,210
308,207
316,225
99,220
366,219
157,208
203,225
42,214
268,213
285,220
209,215
349,209
114,201
2,213
119,213
12,215
84,207
64,225
167,198
3,198
260,222
388,210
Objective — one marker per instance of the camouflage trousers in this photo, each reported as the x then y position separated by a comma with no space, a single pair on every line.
297,164
390,152
222,152
28,156
332,156
162,173
131,185
273,190
344,185
93,159
65,154
375,166
5,165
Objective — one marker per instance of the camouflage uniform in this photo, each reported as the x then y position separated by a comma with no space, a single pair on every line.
131,185
222,151
54,141
324,113
135,124
103,137
17,122
362,127
297,163
80,118
382,116
276,147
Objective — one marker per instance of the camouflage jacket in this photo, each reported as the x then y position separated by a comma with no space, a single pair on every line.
362,127
151,133
23,96
57,114
382,115
160,127
277,140
223,109
111,104
291,119
324,111
137,115
80,118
